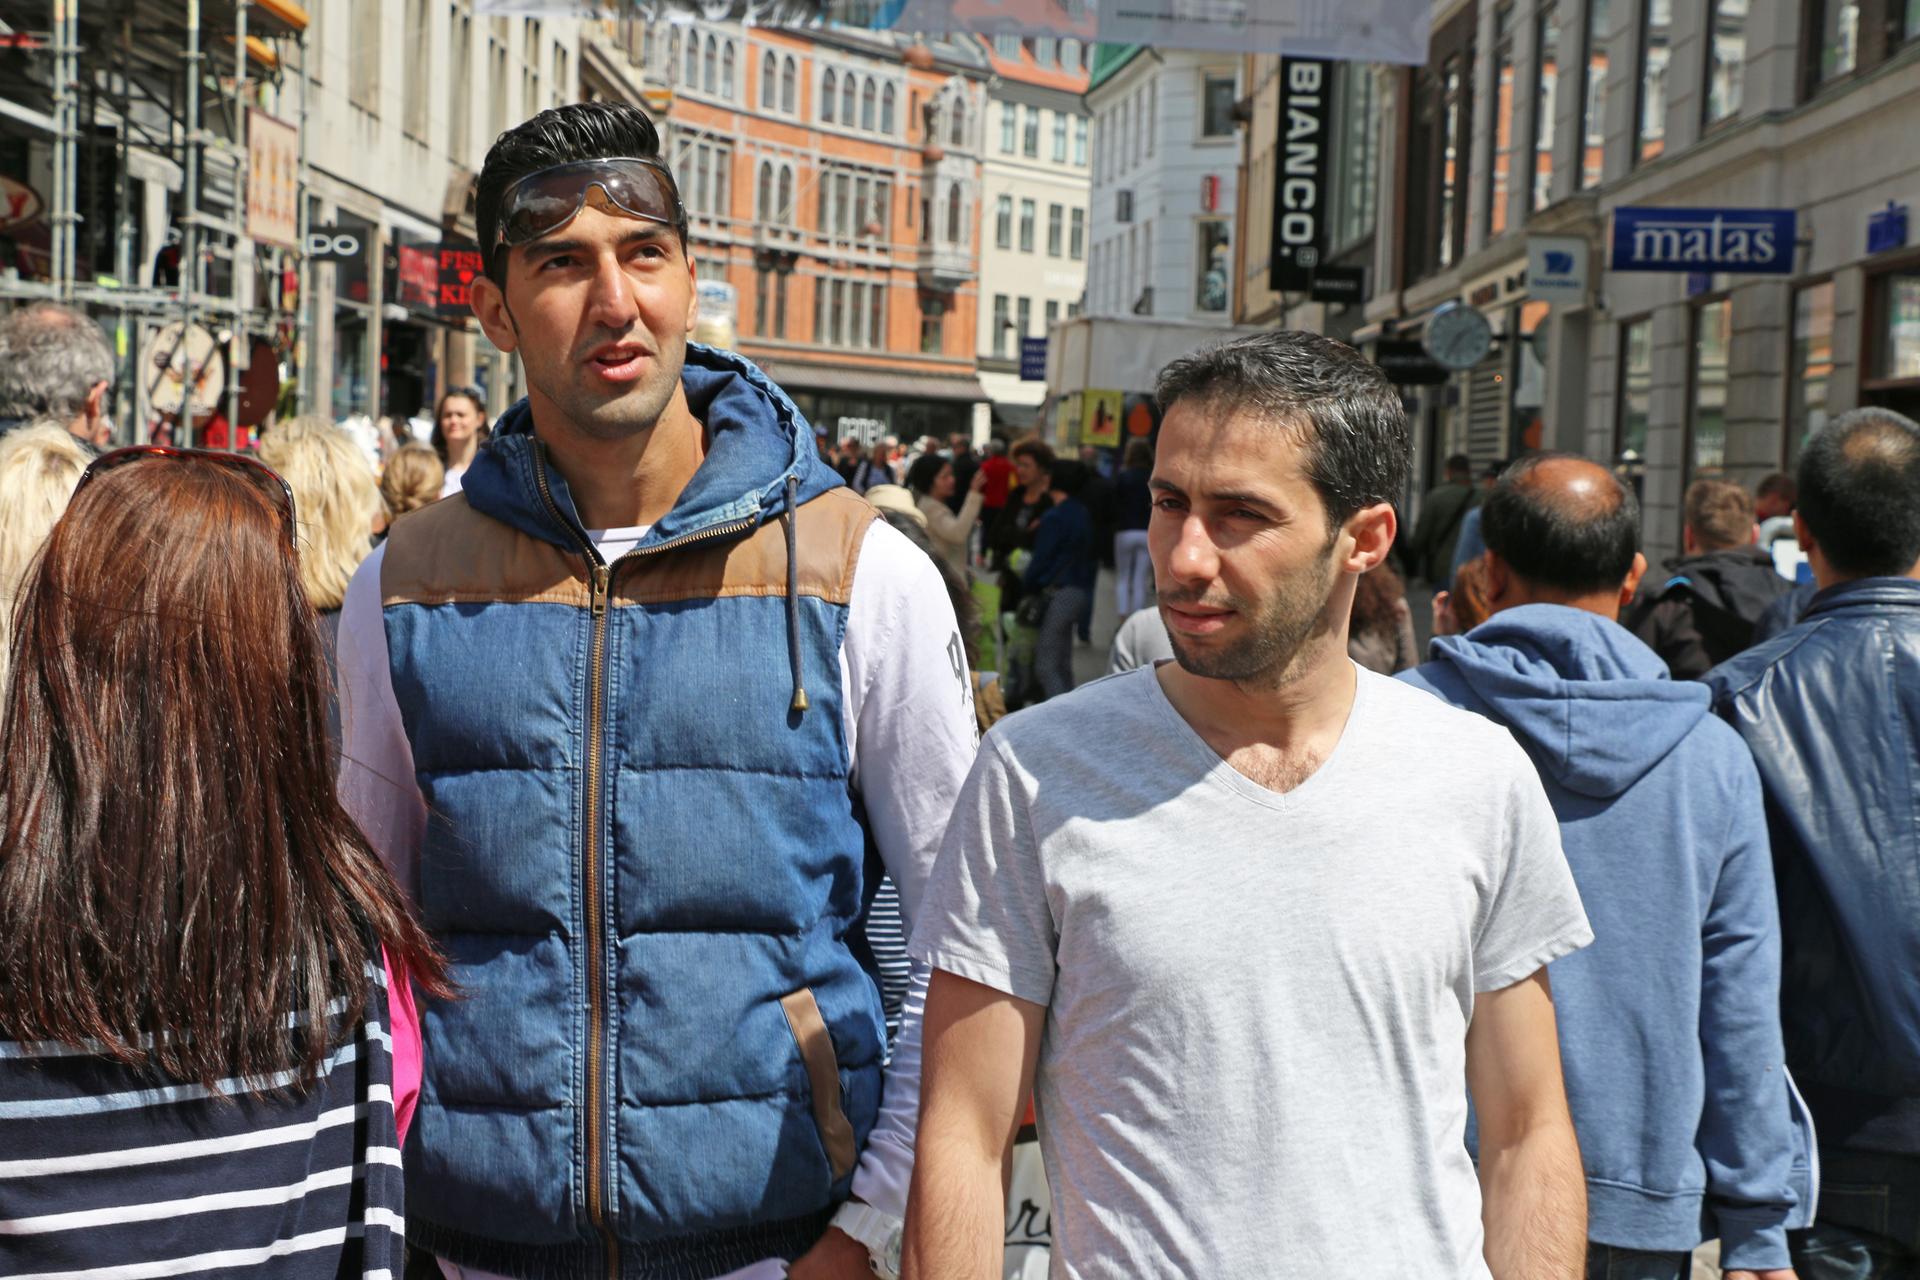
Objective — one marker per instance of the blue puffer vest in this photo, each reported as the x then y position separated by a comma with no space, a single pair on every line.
644,857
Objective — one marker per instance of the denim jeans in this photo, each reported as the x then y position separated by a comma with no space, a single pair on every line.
1053,652
1868,1226
1605,1262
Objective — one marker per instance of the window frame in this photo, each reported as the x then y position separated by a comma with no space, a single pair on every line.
1546,102
1586,132
1498,219
1639,155
1789,454
1621,371
1029,220
1708,121
1697,308
1208,77
1003,222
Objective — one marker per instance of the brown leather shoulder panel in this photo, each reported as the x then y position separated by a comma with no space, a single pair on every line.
448,553
830,533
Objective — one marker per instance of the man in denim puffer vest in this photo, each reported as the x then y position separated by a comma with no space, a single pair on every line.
641,716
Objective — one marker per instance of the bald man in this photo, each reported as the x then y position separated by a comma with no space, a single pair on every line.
1669,1023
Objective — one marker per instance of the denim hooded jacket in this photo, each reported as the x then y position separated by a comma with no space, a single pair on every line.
643,856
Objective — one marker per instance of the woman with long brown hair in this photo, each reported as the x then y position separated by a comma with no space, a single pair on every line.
459,429
1380,636
207,1044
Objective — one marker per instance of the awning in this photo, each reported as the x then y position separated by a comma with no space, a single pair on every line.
1020,417
892,384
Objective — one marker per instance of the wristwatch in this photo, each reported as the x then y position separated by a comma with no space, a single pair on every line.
878,1230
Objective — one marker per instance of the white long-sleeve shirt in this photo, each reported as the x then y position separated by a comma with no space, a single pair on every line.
911,735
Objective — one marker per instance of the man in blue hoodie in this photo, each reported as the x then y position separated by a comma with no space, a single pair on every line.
1669,1022
639,717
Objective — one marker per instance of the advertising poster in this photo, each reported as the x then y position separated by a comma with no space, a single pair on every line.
273,180
1100,418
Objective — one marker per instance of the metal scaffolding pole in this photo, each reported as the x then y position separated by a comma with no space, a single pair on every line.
190,224
242,242
304,371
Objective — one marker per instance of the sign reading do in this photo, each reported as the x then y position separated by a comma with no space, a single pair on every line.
334,244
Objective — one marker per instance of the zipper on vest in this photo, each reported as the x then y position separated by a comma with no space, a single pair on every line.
600,575
601,582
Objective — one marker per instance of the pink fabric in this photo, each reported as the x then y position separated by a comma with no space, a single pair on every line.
407,1054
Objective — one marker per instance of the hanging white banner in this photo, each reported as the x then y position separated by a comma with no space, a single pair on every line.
1343,30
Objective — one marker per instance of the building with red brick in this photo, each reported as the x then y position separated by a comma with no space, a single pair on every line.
833,180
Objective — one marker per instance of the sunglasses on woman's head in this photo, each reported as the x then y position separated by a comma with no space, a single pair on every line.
269,480
543,202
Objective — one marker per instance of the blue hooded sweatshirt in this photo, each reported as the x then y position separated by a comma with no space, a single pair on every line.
1669,1023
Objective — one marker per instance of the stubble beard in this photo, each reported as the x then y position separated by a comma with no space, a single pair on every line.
633,412
1269,658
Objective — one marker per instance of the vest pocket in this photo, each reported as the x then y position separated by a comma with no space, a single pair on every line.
823,1079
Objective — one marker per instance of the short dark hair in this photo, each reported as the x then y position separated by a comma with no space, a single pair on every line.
1458,464
1860,492
1035,448
558,135
1573,545
1779,485
1069,476
1350,417
924,471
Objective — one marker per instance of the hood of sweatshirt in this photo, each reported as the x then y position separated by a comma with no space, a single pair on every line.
1591,704
757,442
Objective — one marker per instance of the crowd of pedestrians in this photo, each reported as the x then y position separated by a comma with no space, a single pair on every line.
573,849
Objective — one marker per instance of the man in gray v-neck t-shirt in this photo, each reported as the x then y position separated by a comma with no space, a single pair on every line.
1253,921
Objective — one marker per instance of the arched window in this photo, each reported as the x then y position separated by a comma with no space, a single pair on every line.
767,65
710,66
826,98
886,110
959,118
847,89
726,71
954,215
869,97
763,197
784,209
788,86
692,76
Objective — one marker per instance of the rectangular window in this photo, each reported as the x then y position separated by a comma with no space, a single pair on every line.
1056,222
1073,309
1153,112
1545,100
1636,397
1500,172
1453,161
762,299
1059,137
1593,106
460,97
1356,123
933,328
1030,140
1895,337
1053,313
842,203
862,194
1026,226
877,316
1707,427
363,47
1726,59
1656,52
880,216
1000,303
837,315
1811,367
1003,222
1215,266
1077,236
857,314
1080,140
1009,126
780,303
1839,35
1023,318
414,109
1216,106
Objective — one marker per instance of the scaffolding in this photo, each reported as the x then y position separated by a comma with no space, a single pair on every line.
121,91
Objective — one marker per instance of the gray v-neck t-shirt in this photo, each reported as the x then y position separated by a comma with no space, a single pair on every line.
1254,1060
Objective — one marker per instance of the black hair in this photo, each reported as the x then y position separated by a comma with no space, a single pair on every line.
1860,492
1459,464
1349,416
558,135
1069,476
924,471
1578,545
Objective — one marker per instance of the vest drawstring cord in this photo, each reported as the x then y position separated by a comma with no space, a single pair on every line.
799,702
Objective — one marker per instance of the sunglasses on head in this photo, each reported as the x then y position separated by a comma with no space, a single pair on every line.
269,480
541,203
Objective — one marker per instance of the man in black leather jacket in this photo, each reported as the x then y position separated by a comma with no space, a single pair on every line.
1831,711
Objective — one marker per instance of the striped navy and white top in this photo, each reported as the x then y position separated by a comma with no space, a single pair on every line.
107,1172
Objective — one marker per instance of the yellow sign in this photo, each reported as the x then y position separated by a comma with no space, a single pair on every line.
1100,419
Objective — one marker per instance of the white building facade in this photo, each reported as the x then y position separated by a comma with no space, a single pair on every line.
1166,156
1034,234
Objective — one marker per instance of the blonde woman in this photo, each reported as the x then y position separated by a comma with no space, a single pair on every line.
39,466
412,479
337,502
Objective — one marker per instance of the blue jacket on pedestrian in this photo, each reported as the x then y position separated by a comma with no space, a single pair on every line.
1831,711
1669,1022
1063,551
644,856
